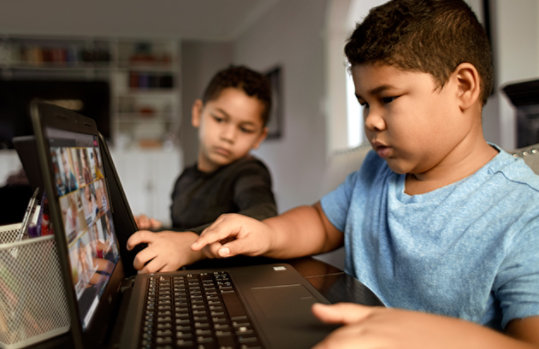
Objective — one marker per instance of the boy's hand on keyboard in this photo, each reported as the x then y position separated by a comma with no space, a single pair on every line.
234,234
166,250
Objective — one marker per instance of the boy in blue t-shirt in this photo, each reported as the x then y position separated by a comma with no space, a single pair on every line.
440,224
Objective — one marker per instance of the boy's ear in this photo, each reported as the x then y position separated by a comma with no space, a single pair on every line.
261,138
196,112
468,84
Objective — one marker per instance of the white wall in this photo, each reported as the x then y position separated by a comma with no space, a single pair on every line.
337,30
200,61
517,37
516,58
291,35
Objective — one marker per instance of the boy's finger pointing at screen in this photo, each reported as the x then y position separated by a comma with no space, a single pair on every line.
212,235
233,234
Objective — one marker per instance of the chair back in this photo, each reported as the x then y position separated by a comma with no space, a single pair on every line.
530,154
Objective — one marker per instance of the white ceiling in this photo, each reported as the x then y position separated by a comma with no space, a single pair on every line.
214,20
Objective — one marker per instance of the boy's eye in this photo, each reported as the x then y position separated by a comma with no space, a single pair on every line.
363,104
218,118
246,130
387,100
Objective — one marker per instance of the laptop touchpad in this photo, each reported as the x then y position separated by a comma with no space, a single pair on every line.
286,301
287,318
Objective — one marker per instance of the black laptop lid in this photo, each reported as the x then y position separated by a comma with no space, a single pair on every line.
75,182
122,215
26,150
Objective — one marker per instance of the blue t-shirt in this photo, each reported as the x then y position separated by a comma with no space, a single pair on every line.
468,250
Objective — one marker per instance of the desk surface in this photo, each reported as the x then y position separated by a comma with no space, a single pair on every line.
331,282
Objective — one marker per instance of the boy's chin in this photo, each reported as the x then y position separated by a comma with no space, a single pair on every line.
397,166
227,159
221,161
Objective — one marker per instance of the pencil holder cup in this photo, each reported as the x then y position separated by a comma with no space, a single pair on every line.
33,306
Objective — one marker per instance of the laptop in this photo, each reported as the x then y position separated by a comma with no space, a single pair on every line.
254,306
26,150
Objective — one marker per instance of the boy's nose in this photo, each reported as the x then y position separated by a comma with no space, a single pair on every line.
228,133
373,120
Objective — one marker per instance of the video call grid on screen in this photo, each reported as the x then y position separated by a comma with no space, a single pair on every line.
86,214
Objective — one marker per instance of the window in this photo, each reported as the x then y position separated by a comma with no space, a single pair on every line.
344,114
354,116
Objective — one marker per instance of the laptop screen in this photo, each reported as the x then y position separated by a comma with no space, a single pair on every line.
86,214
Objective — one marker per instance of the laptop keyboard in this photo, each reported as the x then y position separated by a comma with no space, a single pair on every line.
195,310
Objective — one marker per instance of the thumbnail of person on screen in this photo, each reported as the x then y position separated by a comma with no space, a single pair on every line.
68,179
440,224
231,119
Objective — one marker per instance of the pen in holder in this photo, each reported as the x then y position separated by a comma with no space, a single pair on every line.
33,305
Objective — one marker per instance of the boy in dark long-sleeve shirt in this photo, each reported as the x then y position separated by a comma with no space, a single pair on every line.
231,119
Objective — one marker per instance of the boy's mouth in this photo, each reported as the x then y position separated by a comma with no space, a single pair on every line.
381,149
222,151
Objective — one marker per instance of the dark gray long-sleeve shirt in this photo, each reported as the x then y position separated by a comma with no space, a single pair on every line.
242,187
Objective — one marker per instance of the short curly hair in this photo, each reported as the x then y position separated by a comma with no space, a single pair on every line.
253,83
431,36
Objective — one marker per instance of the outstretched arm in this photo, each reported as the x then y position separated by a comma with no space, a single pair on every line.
253,193
299,232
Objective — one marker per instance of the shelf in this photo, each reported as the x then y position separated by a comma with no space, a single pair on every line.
56,66
152,66
148,91
142,75
146,117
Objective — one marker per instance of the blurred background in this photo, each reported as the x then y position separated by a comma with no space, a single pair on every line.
137,66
